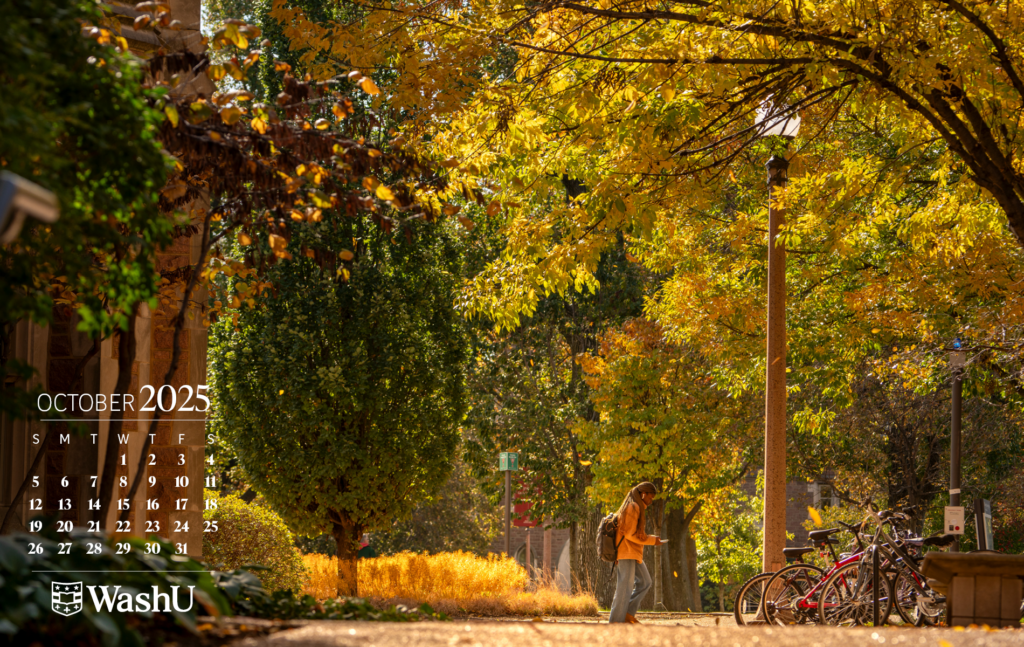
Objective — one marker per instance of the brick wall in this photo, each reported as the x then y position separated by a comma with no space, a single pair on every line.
797,500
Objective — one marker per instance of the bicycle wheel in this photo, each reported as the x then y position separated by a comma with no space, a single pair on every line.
913,606
784,603
747,607
847,597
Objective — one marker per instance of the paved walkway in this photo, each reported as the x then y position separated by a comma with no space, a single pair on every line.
655,618
560,634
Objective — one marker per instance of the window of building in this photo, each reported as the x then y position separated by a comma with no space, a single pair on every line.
823,494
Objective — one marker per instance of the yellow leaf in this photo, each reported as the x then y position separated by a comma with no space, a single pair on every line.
244,239
945,643
259,125
231,115
875,331
281,392
368,86
384,193
278,245
586,462
815,517
674,574
322,124
346,255
172,114
370,183
668,93
339,111
320,199
281,66
216,72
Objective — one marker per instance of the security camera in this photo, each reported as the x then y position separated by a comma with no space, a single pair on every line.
20,198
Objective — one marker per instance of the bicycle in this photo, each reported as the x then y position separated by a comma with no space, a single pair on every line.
747,606
793,589
848,598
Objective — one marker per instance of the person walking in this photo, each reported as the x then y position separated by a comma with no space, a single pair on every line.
633,580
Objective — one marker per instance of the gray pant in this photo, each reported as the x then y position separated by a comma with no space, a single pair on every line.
632,576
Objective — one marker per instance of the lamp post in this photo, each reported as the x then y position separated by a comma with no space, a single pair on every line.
772,122
957,360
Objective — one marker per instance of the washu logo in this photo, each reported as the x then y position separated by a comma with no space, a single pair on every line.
66,599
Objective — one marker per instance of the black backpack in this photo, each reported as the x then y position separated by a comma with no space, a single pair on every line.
606,546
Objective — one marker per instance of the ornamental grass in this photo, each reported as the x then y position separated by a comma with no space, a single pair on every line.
453,583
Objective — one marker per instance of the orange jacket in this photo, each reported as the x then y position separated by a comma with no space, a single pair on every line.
633,539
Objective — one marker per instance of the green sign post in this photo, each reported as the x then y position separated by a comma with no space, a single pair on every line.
508,462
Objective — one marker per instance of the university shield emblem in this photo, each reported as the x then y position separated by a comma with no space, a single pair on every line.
66,597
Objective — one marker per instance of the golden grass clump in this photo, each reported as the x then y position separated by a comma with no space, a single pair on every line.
456,583
322,576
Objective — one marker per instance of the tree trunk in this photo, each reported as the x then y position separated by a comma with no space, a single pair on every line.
587,569
691,543
125,359
574,550
346,537
680,591
589,573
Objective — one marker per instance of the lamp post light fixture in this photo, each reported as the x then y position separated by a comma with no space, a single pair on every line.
20,198
773,123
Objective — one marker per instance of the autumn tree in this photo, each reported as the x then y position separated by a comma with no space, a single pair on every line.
664,420
342,390
904,204
729,542
527,393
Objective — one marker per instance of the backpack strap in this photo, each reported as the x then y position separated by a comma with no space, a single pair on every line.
617,551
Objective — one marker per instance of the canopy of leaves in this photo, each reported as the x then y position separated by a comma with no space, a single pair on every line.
662,418
364,374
